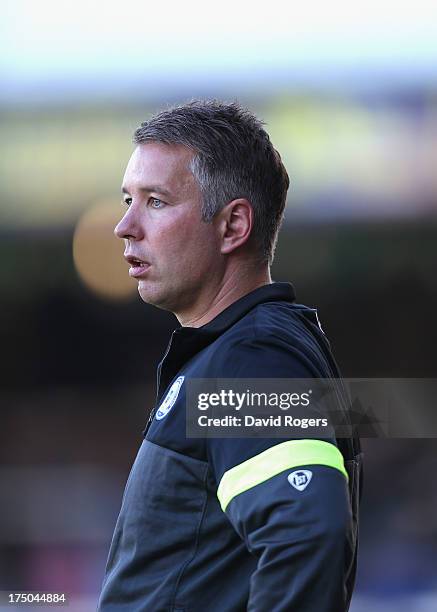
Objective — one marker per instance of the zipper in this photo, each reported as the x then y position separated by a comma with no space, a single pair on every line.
158,377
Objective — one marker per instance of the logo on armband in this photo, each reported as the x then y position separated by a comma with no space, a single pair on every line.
300,479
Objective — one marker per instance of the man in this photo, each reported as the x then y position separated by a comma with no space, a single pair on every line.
214,524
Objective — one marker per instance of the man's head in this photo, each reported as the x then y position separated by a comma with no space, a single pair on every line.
222,190
233,158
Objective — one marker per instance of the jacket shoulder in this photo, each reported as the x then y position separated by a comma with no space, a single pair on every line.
274,338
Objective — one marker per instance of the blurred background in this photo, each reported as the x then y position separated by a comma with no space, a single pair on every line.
349,97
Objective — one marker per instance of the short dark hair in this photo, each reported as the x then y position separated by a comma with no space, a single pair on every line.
233,158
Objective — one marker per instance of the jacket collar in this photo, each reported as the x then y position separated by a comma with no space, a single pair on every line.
185,342
194,339
267,293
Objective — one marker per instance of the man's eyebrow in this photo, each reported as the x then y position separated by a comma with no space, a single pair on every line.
149,188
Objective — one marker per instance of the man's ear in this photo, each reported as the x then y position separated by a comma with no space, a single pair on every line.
235,223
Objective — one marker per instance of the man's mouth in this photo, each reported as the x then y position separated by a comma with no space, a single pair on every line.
137,266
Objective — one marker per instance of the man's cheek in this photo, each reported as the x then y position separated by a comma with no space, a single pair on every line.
175,235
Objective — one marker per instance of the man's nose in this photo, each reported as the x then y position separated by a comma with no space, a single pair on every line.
129,226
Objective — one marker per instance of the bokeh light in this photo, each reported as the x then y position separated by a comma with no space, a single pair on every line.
98,254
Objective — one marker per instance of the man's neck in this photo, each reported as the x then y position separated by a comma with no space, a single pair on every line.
229,291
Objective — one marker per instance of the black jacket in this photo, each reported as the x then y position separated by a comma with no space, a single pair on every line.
183,544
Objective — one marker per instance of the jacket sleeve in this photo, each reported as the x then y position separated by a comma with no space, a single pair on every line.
296,522
289,501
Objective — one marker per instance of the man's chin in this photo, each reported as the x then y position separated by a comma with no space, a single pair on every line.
151,294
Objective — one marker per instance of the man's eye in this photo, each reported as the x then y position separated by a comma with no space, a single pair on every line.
127,201
156,203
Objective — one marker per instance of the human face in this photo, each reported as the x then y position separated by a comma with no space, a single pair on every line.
163,229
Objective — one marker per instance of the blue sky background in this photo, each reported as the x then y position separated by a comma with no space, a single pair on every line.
51,49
